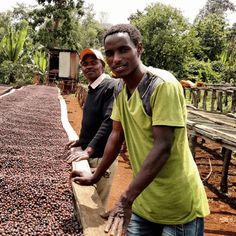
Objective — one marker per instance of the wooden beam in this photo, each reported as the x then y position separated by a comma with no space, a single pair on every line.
87,202
224,180
217,133
219,120
89,207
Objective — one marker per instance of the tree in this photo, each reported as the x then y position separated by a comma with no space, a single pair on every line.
212,36
167,37
54,22
90,30
218,7
5,21
40,62
12,46
228,56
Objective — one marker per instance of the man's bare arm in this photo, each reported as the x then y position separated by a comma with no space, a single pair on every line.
111,151
155,160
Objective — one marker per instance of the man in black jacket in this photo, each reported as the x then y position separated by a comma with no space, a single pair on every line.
96,122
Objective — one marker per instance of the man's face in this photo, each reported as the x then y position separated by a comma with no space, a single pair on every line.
121,54
91,67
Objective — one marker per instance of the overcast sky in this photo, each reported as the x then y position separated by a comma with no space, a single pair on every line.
118,11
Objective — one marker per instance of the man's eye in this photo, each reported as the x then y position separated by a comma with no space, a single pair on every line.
123,50
108,54
94,63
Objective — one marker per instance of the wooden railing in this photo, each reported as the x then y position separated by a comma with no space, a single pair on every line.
212,98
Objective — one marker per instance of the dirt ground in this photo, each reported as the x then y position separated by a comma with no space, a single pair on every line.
221,221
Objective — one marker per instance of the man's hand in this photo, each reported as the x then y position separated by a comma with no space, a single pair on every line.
80,155
82,177
71,144
118,218
77,156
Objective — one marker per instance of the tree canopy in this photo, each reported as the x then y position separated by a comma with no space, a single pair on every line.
166,37
204,50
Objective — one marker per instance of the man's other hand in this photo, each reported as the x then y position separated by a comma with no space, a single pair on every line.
118,218
71,144
77,156
82,177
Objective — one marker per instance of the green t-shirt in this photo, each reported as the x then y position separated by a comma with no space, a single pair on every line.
176,195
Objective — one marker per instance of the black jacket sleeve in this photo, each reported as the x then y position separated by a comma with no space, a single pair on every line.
105,128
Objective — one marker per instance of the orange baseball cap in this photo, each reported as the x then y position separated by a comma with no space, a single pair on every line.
92,51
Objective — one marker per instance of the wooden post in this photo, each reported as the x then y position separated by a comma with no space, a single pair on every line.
204,100
190,94
198,91
219,101
213,98
194,97
226,98
224,180
184,90
192,143
233,108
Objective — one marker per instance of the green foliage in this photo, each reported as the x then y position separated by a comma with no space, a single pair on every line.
228,56
17,74
5,21
166,37
12,48
40,60
211,33
203,51
56,23
12,44
209,72
89,31
218,7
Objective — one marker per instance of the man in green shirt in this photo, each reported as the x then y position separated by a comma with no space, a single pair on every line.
166,196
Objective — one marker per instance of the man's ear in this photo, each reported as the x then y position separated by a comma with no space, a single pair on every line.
140,49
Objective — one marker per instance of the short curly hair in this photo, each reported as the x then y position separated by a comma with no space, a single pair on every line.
132,31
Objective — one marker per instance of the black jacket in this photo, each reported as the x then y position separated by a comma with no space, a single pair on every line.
96,122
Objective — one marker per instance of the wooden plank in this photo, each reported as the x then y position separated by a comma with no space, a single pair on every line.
7,92
219,101
191,123
89,207
87,202
217,133
4,90
210,117
207,134
64,119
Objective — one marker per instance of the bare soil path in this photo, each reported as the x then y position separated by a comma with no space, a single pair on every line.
221,221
